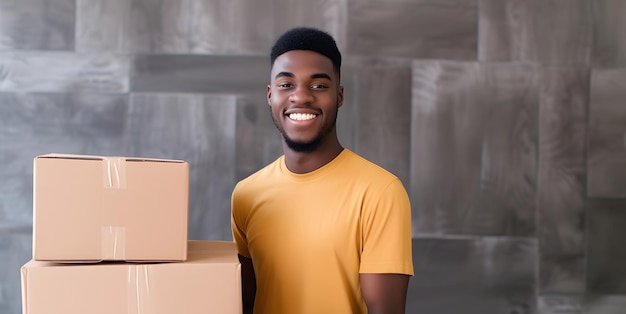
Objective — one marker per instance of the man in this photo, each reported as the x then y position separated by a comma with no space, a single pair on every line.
320,229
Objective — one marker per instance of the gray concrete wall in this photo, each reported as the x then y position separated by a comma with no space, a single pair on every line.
505,119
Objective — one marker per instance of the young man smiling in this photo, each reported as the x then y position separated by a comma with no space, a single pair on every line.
320,229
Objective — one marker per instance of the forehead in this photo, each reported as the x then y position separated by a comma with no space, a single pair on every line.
303,62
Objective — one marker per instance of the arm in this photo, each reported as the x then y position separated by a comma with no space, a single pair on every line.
248,284
384,293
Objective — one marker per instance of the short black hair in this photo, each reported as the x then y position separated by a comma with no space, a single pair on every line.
308,38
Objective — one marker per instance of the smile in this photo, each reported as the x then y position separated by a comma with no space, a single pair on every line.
302,116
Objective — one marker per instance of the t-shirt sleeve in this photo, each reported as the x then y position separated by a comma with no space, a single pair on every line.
386,226
238,224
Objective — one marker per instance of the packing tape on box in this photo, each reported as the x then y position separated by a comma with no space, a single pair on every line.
113,243
113,238
114,172
141,298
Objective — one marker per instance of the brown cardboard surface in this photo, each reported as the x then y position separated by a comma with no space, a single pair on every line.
93,208
208,282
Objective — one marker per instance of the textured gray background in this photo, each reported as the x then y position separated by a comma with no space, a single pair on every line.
505,119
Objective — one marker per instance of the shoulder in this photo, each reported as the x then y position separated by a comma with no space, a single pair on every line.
260,177
376,180
365,168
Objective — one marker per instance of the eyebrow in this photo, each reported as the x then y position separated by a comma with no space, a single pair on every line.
321,75
284,74
313,76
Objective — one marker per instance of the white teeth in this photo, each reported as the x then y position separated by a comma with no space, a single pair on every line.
301,116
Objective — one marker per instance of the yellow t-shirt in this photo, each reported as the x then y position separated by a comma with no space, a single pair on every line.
310,235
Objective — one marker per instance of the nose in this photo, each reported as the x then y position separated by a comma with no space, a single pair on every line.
301,96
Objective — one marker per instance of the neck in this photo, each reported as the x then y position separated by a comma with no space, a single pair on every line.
304,162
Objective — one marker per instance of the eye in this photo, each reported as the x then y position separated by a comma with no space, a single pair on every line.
285,85
319,86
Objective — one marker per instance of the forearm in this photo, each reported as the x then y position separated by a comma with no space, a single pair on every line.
384,293
385,311
248,284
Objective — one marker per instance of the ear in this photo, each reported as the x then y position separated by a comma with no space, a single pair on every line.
269,95
340,96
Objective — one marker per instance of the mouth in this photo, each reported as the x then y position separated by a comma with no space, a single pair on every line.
301,116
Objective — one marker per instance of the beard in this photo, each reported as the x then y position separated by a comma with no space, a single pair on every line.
310,146
303,147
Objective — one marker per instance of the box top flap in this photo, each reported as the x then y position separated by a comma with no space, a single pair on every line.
93,157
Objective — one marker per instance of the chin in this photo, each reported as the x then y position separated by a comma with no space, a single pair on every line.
303,147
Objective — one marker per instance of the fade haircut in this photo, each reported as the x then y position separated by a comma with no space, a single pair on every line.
308,38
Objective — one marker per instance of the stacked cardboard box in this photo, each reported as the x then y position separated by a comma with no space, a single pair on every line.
110,236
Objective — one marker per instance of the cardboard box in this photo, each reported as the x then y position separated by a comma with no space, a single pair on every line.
94,208
208,282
